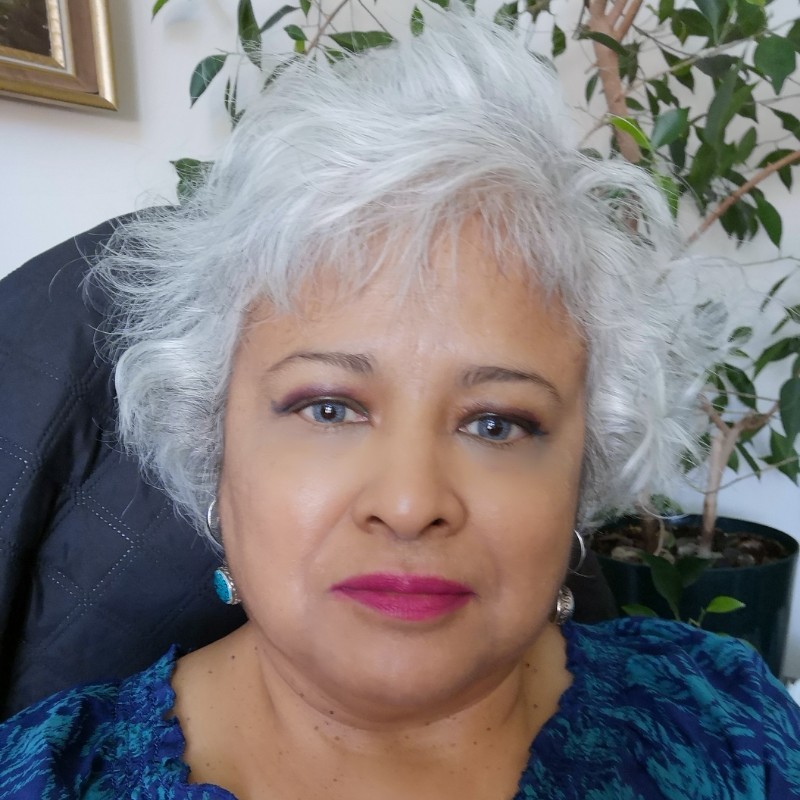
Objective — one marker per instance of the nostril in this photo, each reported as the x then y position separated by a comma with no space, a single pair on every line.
438,522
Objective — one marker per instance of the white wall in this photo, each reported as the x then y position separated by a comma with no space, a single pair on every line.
63,170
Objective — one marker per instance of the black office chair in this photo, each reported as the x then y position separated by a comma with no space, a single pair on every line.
98,576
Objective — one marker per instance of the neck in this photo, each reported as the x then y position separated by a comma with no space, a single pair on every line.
289,723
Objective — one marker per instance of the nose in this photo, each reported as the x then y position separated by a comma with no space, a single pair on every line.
410,490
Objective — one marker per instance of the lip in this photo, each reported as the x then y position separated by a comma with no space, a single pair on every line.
403,596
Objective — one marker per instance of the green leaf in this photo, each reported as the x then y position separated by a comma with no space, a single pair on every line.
603,38
669,126
230,101
742,334
591,85
782,455
712,10
770,219
632,128
663,94
506,16
559,41
666,8
790,409
746,146
775,57
776,287
716,66
305,6
280,69
751,21
679,68
720,112
357,41
740,221
249,34
441,3
277,17
665,506
417,21
793,35
690,568
777,352
687,22
157,6
793,313
666,579
295,33
670,190
790,123
723,604
637,610
745,454
191,174
785,173
203,74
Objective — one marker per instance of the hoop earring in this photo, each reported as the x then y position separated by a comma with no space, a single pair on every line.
565,606
225,587
582,546
212,519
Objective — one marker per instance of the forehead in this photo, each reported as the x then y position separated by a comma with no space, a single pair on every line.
464,305
463,264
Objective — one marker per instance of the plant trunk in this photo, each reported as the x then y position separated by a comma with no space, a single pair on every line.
722,444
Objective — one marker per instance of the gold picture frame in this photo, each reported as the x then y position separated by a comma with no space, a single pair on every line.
57,51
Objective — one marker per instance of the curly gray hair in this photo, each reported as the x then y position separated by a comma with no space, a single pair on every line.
368,161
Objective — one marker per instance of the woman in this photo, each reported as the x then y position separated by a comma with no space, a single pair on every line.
403,344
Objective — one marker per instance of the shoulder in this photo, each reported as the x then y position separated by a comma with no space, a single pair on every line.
678,662
85,740
678,695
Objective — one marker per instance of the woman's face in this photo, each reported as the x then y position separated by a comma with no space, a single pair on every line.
400,481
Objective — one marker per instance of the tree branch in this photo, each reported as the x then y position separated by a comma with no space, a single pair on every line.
608,69
742,190
324,26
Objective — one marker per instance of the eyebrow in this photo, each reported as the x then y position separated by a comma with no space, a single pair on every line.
355,362
363,364
477,375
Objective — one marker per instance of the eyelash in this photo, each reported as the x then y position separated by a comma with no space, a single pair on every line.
530,427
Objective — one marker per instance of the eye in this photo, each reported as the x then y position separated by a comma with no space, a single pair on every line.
327,411
501,429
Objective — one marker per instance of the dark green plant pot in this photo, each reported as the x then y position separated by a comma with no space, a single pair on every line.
765,590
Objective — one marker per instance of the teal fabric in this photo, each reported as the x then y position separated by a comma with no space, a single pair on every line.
655,710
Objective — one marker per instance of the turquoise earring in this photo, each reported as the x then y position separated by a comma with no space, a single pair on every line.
224,584
225,587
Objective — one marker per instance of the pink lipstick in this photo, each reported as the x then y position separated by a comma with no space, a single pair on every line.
409,597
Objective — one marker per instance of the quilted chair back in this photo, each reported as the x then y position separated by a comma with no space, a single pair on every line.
98,576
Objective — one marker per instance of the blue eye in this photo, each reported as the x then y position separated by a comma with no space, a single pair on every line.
496,428
330,412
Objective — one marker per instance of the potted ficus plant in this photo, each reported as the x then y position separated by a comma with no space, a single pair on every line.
693,93
701,567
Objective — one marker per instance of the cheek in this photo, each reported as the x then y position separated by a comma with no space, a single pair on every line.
527,518
276,516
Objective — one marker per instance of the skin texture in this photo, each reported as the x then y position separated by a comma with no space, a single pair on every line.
436,434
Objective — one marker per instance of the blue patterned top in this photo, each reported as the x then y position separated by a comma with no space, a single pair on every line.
655,710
